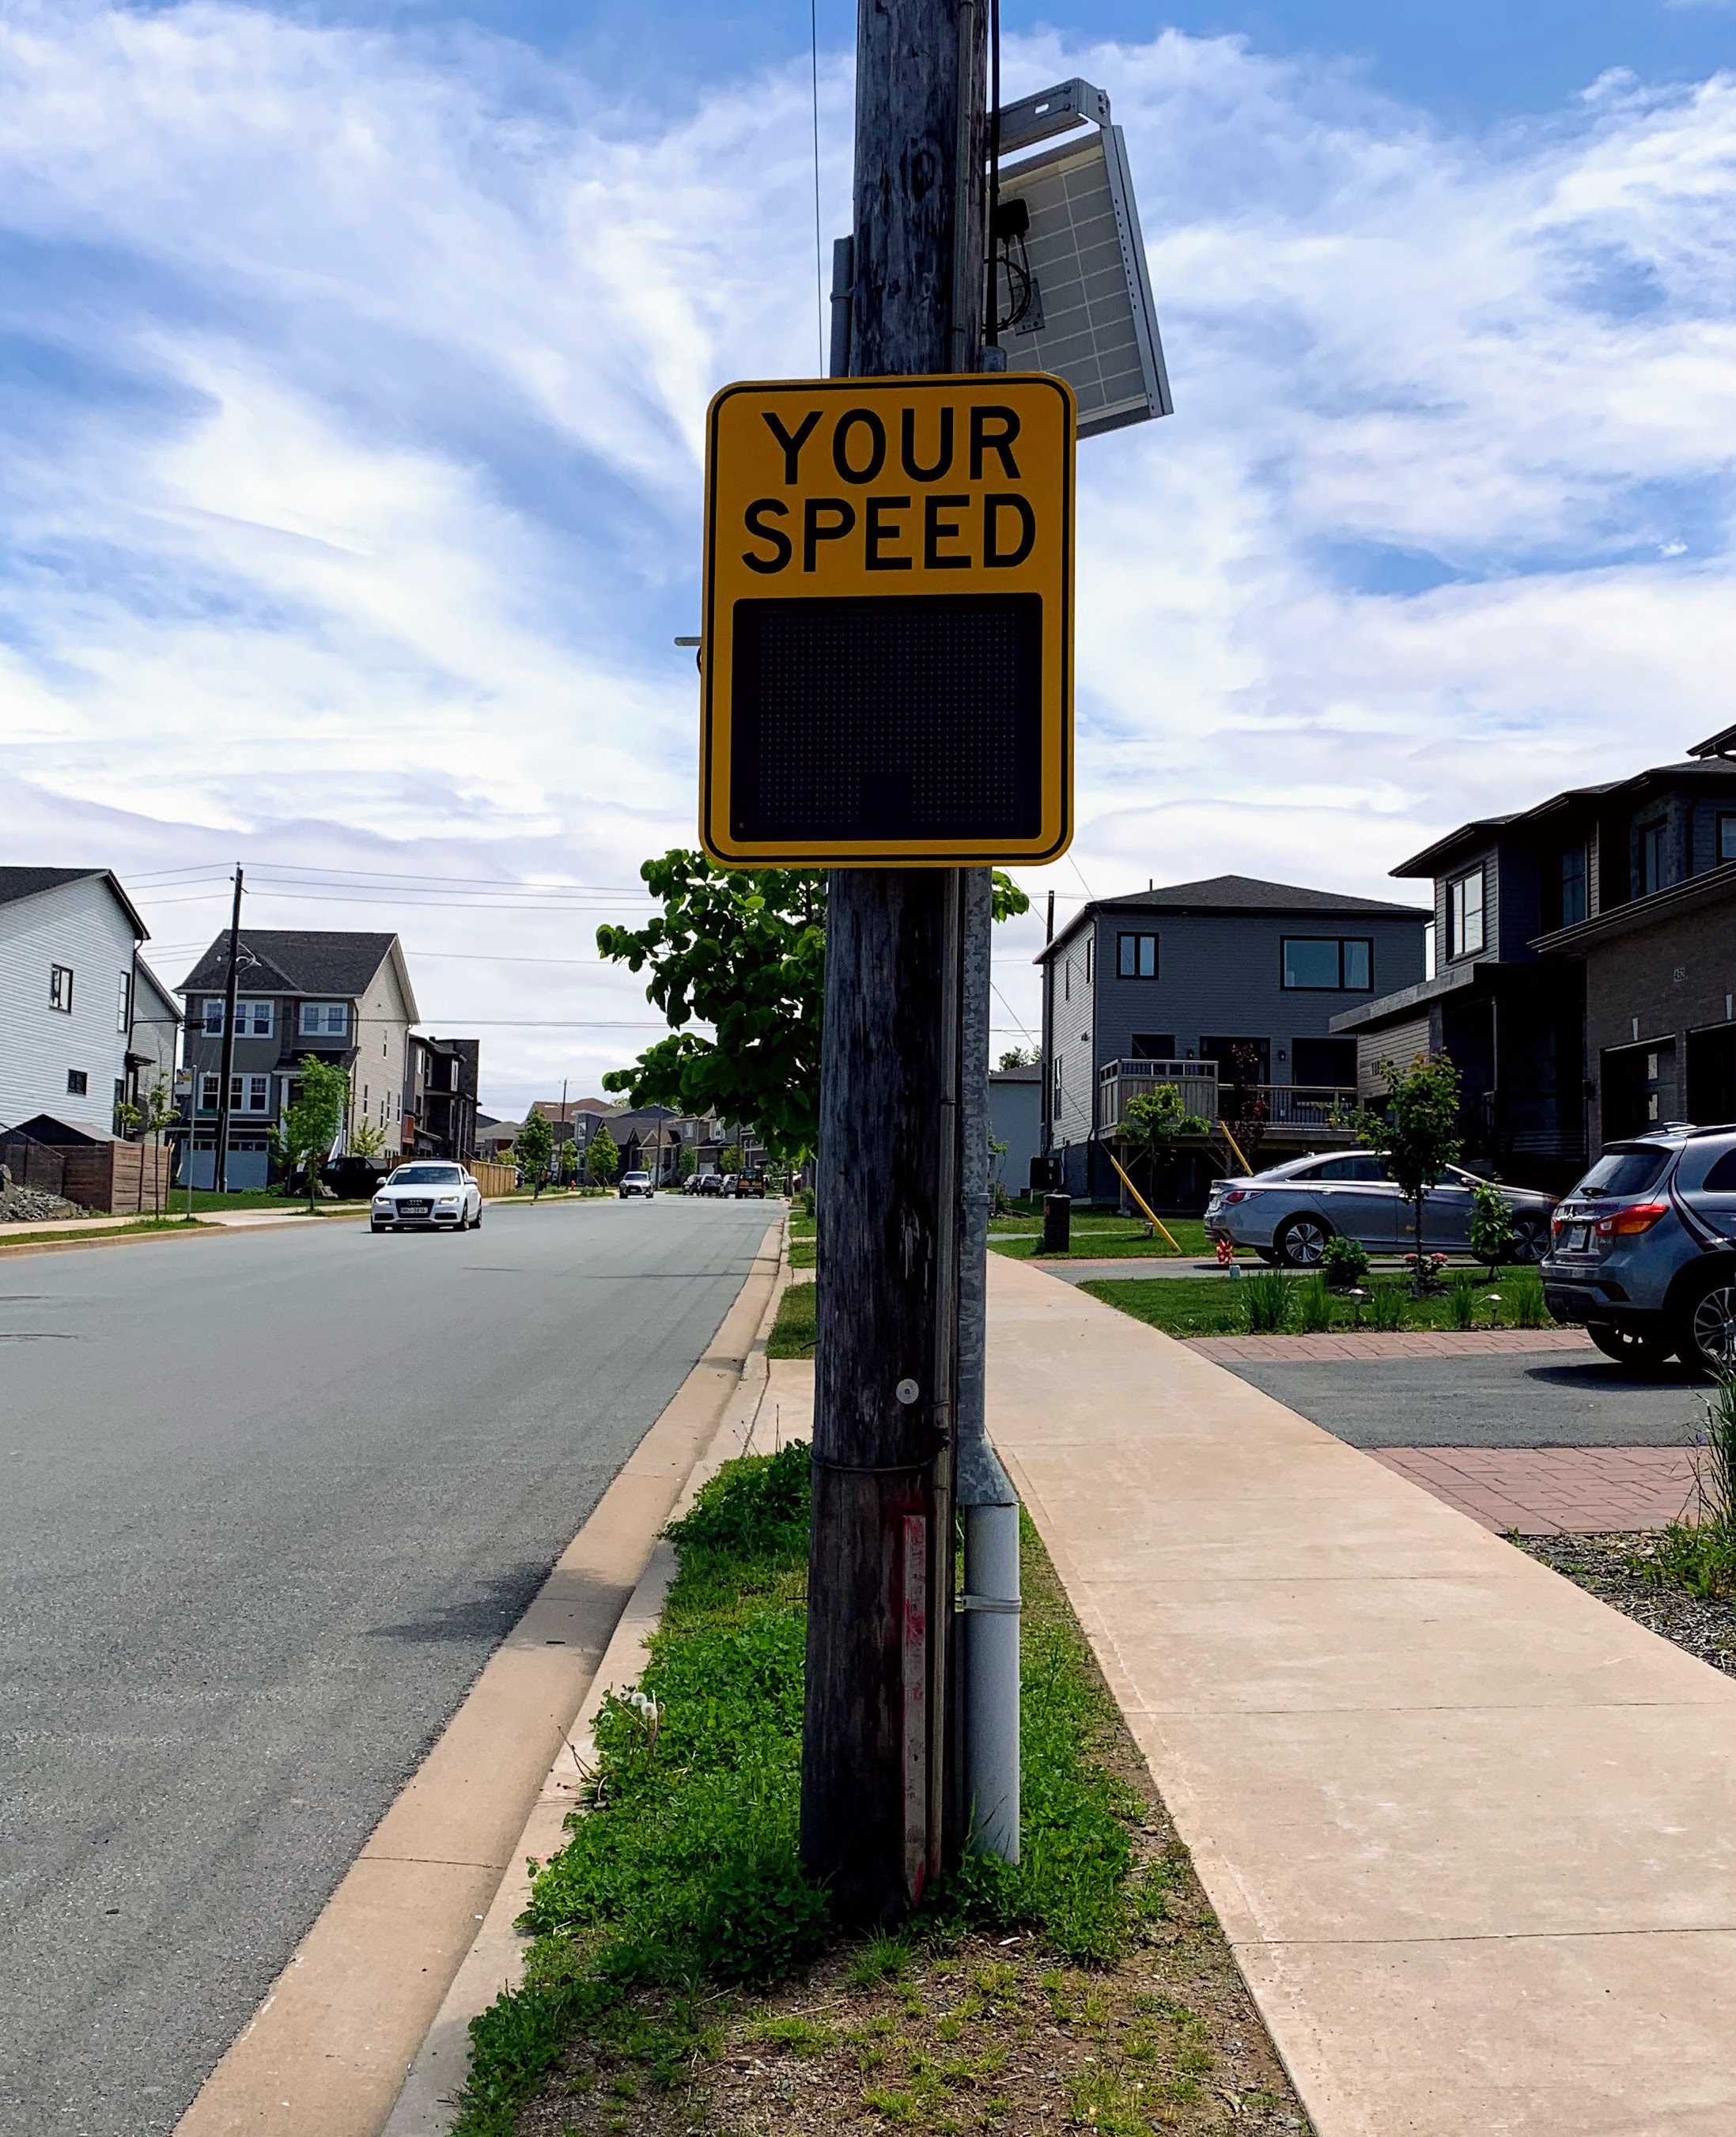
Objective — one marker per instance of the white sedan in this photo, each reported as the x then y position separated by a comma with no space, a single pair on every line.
429,1194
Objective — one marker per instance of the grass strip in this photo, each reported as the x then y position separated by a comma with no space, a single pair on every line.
98,1231
682,1880
1273,1302
793,1332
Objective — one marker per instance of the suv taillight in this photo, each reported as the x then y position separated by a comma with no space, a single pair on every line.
1636,1217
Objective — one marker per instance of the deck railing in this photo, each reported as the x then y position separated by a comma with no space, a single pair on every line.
1322,1110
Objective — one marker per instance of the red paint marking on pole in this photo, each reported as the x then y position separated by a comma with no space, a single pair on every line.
915,1641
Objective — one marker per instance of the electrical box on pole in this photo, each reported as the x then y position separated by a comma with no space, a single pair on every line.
888,626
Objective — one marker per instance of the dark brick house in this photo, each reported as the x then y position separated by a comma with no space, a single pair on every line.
1559,933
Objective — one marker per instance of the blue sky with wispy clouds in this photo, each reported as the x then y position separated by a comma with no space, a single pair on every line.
352,361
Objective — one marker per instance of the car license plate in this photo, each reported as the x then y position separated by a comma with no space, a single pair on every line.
414,1208
1576,1238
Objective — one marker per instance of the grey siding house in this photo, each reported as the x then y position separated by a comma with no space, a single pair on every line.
1227,987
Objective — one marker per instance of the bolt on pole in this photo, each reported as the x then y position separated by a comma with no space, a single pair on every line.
874,1779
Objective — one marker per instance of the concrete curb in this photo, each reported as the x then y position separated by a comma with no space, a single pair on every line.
328,2049
495,1960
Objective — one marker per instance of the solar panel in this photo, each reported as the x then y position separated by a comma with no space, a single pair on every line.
1087,313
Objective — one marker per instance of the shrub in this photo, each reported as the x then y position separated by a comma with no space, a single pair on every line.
1344,1263
1315,1305
1386,1307
1492,1235
1528,1310
1267,1300
1462,1304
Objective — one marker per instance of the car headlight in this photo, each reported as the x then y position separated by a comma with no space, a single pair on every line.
449,1198
382,1201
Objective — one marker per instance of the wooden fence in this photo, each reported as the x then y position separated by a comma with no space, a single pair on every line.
493,1179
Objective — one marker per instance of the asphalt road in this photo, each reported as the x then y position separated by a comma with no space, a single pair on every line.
1521,1398
267,1502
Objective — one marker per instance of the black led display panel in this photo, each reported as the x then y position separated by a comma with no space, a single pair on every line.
886,717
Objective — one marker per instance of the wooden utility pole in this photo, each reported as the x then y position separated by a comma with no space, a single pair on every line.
881,1572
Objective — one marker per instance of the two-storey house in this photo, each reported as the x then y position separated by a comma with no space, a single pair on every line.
1559,1041
69,949
442,1081
342,998
1229,988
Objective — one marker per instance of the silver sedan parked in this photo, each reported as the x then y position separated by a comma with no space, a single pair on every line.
1288,1212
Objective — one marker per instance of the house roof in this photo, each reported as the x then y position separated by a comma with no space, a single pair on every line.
295,961
1430,862
1722,744
1031,1073
550,1108
20,882
1238,893
1710,886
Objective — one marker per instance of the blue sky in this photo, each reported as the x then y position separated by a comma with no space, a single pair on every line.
352,367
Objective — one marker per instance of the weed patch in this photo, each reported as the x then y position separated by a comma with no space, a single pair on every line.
793,1332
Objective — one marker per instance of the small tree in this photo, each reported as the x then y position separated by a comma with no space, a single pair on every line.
686,1164
1152,1122
365,1140
729,1158
602,1158
311,1124
156,1112
1020,1057
1242,1103
568,1167
1418,1136
1493,1237
535,1144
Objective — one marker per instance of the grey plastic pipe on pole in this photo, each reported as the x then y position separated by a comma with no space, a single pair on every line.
986,1499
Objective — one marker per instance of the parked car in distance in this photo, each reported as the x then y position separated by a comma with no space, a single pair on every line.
740,1184
1287,1212
702,1183
636,1183
1644,1253
427,1195
354,1179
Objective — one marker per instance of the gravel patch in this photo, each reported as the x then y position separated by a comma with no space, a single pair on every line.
1605,1566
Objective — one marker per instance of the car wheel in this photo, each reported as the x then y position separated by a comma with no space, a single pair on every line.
1708,1325
1530,1239
1640,1354
379,1228
1300,1241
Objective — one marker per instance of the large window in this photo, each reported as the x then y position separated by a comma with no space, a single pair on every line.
1135,956
325,1020
59,987
1323,964
1573,886
124,1003
1654,857
247,1094
253,1020
1464,915
1727,836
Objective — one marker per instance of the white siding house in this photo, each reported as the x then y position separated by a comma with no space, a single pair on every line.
69,938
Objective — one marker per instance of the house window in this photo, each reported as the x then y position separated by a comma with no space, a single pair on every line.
1727,837
59,987
124,1003
1654,858
78,1082
1089,944
259,1094
1319,964
1464,915
1573,885
325,1020
207,1094
1135,956
1066,981
253,1020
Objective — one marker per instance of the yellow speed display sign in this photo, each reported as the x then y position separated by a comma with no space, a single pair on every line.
887,651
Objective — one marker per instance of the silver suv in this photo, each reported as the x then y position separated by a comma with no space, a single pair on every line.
1644,1251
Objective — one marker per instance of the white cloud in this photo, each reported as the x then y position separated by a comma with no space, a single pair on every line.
357,526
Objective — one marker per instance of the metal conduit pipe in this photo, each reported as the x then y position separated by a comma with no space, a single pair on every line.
987,1501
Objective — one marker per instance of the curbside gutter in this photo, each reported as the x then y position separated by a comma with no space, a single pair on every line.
328,2049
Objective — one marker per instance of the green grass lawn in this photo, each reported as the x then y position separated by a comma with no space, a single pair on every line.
27,1238
792,1333
1112,1239
1220,1305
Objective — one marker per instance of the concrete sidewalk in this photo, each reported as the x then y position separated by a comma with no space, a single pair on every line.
1471,1834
